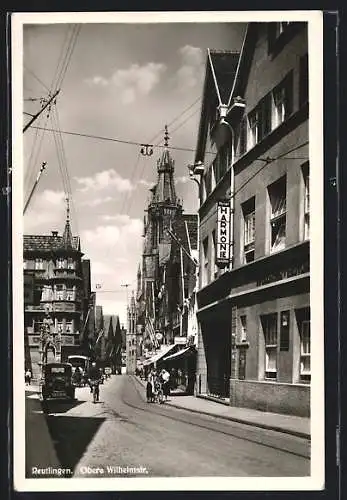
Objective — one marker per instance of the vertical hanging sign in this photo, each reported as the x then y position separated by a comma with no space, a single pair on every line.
223,234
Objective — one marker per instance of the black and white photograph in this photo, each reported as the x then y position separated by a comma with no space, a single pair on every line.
165,225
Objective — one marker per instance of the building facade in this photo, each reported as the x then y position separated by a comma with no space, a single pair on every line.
131,351
166,282
54,295
254,289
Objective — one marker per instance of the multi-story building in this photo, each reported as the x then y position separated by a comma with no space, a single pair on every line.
253,301
131,351
53,296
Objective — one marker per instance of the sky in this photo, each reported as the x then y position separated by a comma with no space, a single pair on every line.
125,82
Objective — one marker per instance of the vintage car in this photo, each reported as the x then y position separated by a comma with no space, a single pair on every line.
57,381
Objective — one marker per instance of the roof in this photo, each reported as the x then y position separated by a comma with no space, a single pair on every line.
107,324
47,243
221,64
181,225
98,316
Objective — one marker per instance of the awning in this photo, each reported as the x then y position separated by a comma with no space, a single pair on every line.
179,354
159,355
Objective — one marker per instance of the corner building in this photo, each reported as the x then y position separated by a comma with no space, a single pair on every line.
254,310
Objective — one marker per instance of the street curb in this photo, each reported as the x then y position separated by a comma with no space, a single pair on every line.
299,434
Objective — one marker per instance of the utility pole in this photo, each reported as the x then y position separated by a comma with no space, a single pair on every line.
41,110
43,166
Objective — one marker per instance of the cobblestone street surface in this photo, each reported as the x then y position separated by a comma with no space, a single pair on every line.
123,435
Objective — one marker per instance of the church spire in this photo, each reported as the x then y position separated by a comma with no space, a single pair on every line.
67,236
165,187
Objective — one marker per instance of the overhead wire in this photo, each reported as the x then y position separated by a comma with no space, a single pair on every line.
267,162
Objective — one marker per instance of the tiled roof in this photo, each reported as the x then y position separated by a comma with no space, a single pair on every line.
46,243
98,316
179,228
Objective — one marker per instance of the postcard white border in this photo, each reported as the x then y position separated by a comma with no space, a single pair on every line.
315,41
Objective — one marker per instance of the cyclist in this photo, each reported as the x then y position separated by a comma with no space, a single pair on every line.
94,378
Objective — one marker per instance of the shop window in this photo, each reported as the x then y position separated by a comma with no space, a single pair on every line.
303,81
269,325
282,101
306,178
248,210
284,331
243,328
277,196
39,264
205,262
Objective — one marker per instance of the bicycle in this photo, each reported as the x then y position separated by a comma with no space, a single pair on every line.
159,394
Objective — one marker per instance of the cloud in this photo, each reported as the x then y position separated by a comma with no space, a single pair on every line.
147,184
132,82
46,210
103,180
98,80
183,179
190,73
121,233
94,202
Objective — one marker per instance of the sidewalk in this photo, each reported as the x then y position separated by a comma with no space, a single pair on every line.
40,450
288,424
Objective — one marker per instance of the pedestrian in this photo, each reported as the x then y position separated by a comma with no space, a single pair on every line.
165,376
28,377
150,386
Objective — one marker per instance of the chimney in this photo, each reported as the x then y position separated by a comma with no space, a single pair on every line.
55,233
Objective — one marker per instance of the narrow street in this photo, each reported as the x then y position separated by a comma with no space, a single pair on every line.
123,430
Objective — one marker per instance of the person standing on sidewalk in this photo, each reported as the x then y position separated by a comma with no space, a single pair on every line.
28,377
165,376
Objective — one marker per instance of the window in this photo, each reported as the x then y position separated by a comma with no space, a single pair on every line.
306,177
60,263
277,196
39,264
269,324
304,328
243,328
59,292
303,81
221,162
60,327
70,264
25,264
69,326
248,209
243,136
205,262
70,294
284,331
282,96
253,126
